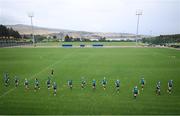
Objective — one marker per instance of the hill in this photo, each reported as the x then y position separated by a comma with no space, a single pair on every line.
26,30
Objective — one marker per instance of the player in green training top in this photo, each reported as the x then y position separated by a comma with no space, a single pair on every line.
104,82
170,85
48,83
142,81
117,83
16,81
6,79
55,88
36,84
26,84
94,84
158,88
83,83
135,92
70,84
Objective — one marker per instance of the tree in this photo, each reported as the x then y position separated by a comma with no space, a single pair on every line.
67,38
162,39
8,33
54,37
102,39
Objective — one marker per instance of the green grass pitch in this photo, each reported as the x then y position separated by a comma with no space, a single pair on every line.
126,64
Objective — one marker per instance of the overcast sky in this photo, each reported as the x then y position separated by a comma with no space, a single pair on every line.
159,16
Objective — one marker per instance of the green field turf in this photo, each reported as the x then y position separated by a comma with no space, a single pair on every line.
88,43
126,64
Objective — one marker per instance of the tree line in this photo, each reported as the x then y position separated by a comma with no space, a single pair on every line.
68,38
8,33
162,39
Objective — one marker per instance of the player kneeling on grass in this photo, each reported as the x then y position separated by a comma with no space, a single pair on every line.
83,83
48,83
170,85
94,84
55,88
36,84
142,81
135,92
26,84
158,89
16,81
117,83
6,79
70,84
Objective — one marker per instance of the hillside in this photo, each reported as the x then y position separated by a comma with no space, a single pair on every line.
26,30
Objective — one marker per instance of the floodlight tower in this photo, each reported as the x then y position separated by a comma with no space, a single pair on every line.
138,13
31,15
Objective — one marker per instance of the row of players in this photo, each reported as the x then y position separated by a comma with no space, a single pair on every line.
83,84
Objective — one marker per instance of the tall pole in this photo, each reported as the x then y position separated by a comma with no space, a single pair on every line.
138,13
150,32
31,15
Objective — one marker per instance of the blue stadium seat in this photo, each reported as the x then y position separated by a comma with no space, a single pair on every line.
82,45
67,45
97,45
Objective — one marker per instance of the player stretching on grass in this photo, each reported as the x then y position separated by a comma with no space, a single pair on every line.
48,83
16,81
83,83
70,84
104,82
36,85
55,88
158,90
170,85
142,81
117,83
6,79
26,84
135,92
94,84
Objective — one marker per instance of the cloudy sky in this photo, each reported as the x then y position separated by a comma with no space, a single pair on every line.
159,16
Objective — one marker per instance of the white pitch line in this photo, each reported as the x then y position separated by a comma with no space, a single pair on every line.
7,92
59,61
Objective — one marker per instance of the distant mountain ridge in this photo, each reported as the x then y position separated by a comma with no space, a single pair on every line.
26,30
